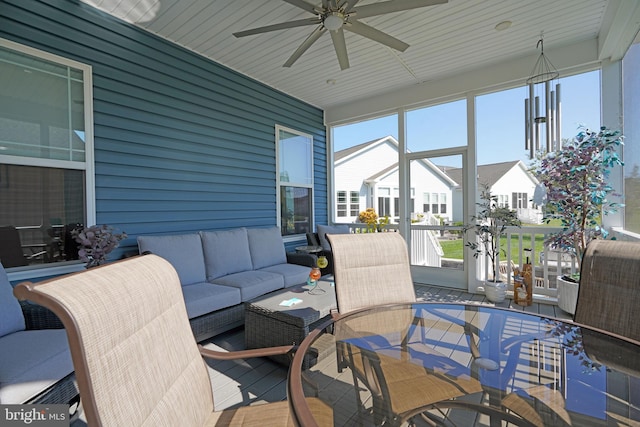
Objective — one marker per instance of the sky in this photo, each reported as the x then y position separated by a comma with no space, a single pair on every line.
500,122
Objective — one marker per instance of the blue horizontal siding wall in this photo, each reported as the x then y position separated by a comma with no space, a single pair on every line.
181,143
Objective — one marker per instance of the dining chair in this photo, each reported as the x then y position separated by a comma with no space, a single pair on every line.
608,295
370,269
134,354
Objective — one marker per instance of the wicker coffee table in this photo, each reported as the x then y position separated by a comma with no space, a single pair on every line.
267,323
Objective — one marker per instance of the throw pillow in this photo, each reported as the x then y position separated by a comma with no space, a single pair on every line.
266,247
183,251
226,252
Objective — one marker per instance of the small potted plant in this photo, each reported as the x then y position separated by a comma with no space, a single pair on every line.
374,223
490,224
575,191
96,242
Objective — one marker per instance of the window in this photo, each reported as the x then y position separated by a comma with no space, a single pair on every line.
354,204
503,200
295,180
384,202
46,152
443,203
426,205
519,201
342,203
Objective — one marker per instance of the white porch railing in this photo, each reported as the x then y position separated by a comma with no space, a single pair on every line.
547,264
519,249
425,248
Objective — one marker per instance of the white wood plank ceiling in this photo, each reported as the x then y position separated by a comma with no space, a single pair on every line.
446,39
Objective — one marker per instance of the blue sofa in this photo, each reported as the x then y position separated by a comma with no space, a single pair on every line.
220,270
35,361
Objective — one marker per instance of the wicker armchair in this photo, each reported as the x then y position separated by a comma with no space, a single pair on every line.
139,364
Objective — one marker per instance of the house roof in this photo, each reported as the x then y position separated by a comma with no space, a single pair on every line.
351,151
487,174
339,155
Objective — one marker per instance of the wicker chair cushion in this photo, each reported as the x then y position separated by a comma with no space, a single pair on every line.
204,298
11,318
226,252
293,274
32,361
252,284
266,246
183,251
323,230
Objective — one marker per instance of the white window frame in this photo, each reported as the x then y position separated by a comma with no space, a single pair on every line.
354,204
30,272
279,184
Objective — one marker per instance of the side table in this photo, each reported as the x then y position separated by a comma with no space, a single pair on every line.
268,323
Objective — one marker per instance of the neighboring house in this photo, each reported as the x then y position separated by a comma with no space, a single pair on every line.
366,175
510,182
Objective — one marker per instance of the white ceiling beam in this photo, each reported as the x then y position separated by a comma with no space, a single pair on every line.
568,60
621,23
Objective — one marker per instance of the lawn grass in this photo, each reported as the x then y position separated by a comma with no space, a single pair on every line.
454,249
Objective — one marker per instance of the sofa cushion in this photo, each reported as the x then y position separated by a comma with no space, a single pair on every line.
266,247
252,284
11,317
323,230
226,252
293,274
183,251
204,298
32,361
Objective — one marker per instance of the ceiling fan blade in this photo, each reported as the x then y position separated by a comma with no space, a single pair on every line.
304,5
392,6
376,35
341,48
348,5
315,35
281,26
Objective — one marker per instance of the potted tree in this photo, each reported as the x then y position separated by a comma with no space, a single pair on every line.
490,224
575,191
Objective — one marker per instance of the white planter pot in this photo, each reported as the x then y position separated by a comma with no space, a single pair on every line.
495,291
567,295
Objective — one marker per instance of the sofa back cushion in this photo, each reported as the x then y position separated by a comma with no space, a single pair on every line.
226,252
183,251
266,247
323,230
11,317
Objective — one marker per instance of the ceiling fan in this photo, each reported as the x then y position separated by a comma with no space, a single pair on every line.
339,15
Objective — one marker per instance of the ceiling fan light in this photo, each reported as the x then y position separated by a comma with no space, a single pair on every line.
333,21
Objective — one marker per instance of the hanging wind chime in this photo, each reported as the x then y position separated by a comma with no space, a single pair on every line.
542,107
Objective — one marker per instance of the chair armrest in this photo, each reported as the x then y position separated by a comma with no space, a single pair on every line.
38,317
246,354
308,260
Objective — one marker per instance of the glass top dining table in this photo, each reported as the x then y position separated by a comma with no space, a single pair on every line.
465,365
